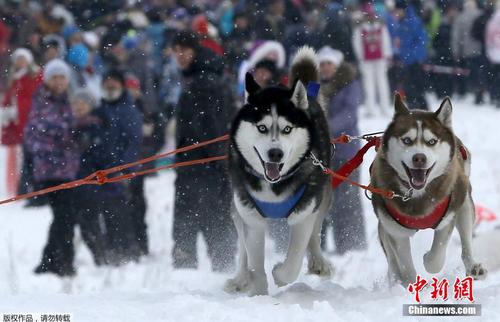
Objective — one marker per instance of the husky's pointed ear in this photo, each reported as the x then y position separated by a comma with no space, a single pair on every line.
299,95
251,85
443,114
399,105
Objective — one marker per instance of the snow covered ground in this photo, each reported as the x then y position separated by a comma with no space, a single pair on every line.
153,291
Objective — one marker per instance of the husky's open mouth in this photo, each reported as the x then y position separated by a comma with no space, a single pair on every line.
272,170
418,177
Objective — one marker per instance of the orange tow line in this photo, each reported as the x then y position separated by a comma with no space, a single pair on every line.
101,177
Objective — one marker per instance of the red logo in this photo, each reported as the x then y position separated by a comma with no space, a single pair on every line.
462,288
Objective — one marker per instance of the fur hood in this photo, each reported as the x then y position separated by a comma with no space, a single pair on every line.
345,75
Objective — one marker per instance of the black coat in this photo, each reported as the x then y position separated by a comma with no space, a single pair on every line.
205,106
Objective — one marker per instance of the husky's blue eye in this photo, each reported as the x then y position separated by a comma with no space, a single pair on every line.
432,142
407,141
262,128
287,130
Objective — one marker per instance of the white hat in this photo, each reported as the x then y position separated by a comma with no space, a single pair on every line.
56,67
22,52
328,54
262,49
91,39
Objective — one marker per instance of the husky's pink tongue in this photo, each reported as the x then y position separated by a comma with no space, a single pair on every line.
418,178
272,170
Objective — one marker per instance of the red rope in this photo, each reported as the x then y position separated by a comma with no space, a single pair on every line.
101,177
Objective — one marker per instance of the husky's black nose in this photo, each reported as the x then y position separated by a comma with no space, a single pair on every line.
419,160
275,155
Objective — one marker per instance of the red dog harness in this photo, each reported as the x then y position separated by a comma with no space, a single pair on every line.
431,220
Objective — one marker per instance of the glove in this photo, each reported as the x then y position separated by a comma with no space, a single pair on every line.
8,115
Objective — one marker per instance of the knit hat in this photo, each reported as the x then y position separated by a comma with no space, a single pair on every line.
78,55
85,95
328,54
56,67
186,39
132,82
262,49
53,40
91,39
22,52
115,74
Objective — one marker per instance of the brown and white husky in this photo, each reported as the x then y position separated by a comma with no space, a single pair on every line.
422,159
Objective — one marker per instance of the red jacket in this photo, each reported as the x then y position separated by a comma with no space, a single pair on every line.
19,93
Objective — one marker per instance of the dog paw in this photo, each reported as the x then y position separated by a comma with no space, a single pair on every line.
257,286
320,267
282,276
279,275
478,272
236,285
433,264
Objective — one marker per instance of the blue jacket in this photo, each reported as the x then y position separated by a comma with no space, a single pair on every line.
413,38
123,135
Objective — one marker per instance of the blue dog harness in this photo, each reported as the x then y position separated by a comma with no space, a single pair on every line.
312,89
279,210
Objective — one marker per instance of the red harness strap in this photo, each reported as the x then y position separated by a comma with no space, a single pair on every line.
431,220
351,165
463,152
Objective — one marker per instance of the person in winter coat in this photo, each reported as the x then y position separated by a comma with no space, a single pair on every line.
89,127
203,195
271,23
485,79
466,49
25,79
48,138
411,41
122,139
342,90
444,83
493,53
372,46
153,133
237,42
130,53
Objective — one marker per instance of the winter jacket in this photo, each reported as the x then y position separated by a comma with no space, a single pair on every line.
48,137
463,43
412,38
122,137
153,131
343,96
205,106
442,44
381,41
479,28
338,32
19,94
90,136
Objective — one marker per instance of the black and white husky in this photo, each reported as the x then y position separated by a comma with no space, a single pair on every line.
273,138
422,158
